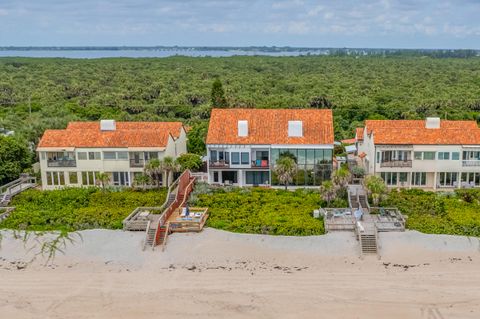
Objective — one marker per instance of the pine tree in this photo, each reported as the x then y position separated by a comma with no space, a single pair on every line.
218,95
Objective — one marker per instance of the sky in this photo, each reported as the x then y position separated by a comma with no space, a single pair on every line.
298,23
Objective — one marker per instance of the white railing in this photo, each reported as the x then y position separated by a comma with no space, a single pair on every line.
471,162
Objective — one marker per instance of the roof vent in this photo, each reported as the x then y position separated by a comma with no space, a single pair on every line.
242,128
432,122
295,128
107,125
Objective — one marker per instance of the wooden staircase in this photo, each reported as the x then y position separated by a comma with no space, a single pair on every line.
368,243
150,237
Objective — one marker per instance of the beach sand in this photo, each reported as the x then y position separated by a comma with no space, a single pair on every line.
216,274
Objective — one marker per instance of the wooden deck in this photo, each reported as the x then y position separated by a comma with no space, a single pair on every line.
194,223
342,219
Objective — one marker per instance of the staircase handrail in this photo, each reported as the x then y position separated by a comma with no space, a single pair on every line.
168,210
146,235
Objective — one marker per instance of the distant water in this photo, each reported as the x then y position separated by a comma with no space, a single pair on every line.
95,54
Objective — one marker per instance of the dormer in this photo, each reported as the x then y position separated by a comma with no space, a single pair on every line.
107,125
242,128
295,129
432,122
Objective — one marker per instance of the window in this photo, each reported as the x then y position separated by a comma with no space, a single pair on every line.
403,176
73,177
417,155
245,158
42,154
257,178
390,178
428,155
301,157
455,156
122,155
88,178
235,158
94,156
82,155
213,156
447,179
215,177
55,178
443,155
109,155
419,178
121,178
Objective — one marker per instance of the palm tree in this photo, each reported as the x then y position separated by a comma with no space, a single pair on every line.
285,168
341,177
169,166
103,178
328,191
153,170
376,187
143,180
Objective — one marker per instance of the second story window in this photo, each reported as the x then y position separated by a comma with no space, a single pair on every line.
443,155
109,156
235,158
424,155
245,158
94,156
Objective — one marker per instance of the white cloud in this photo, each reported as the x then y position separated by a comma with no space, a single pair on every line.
298,27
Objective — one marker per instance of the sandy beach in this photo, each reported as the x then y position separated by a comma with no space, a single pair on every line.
216,274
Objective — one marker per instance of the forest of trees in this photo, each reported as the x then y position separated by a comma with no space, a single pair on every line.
36,94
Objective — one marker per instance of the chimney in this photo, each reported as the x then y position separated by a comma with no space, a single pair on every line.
432,122
107,125
295,129
242,128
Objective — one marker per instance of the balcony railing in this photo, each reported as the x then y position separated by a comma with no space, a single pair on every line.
219,164
407,163
62,163
261,164
137,163
471,163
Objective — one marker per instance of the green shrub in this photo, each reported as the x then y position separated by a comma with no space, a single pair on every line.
263,211
439,213
73,209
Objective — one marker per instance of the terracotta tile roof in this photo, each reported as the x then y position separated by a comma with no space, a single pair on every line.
415,132
349,141
126,134
270,126
359,133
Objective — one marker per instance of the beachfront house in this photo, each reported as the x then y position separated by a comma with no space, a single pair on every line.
74,156
243,145
429,154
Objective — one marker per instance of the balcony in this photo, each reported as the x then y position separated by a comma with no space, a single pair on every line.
219,164
407,163
62,163
137,163
470,163
261,164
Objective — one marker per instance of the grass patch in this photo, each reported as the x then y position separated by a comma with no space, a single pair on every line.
72,209
439,213
261,211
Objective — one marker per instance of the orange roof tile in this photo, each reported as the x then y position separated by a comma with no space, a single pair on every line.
270,126
126,134
415,132
349,141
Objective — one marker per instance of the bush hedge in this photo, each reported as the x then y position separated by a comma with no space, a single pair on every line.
73,209
439,213
261,211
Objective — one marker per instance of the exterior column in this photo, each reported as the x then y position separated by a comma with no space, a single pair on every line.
459,180
434,180
240,177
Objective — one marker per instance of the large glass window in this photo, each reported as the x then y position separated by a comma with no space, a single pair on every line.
313,165
428,155
390,178
73,177
213,156
121,178
257,178
419,178
82,155
55,178
123,155
88,178
455,156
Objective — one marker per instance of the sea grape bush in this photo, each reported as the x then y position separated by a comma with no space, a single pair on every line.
73,209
